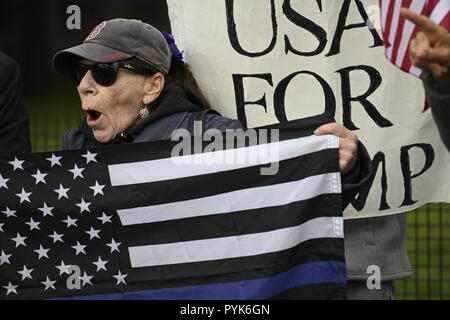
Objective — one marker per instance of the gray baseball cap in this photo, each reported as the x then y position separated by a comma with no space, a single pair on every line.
118,40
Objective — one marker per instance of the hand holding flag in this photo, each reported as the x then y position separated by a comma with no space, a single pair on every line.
348,144
430,49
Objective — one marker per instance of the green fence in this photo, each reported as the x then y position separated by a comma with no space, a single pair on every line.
429,253
428,227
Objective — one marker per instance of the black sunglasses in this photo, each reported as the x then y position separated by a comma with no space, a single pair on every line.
105,74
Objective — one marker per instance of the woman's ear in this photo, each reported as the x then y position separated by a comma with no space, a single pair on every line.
153,87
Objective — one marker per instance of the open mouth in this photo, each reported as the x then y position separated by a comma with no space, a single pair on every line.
93,116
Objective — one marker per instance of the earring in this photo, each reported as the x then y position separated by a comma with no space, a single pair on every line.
144,113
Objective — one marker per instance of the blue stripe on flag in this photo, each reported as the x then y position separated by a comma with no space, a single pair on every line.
259,289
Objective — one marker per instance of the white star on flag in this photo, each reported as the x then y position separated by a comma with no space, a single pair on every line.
24,196
4,258
63,268
86,279
90,157
114,246
40,177
3,182
47,211
77,172
55,160
19,240
62,193
98,189
120,278
56,237
33,225
9,213
101,265
70,222
17,164
84,206
105,219
79,248
42,252
49,284
11,288
93,233
1,227
26,273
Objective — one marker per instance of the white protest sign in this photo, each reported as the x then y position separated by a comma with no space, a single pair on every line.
268,61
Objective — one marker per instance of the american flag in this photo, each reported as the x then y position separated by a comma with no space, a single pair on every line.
132,222
398,32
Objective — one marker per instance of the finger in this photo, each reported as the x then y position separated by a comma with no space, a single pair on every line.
349,145
413,45
413,50
430,66
332,128
442,75
438,55
422,41
419,46
343,166
346,165
347,160
425,24
438,68
346,157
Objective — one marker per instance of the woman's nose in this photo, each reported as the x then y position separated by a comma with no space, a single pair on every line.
88,84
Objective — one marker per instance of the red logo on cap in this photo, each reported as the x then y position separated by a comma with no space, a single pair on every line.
117,56
96,31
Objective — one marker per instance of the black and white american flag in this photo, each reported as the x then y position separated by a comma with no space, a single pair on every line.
130,222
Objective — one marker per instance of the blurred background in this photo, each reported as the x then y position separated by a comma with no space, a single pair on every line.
31,32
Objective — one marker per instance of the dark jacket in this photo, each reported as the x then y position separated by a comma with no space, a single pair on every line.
174,113
14,124
438,96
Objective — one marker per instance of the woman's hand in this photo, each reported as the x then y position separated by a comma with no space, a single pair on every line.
348,144
430,50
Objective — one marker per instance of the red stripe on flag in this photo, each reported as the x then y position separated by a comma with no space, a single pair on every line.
399,35
446,21
387,29
431,4
406,66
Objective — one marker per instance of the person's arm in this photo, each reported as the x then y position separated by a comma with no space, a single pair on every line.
438,96
430,49
14,123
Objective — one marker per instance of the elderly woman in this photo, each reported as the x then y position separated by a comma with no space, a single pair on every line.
135,87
